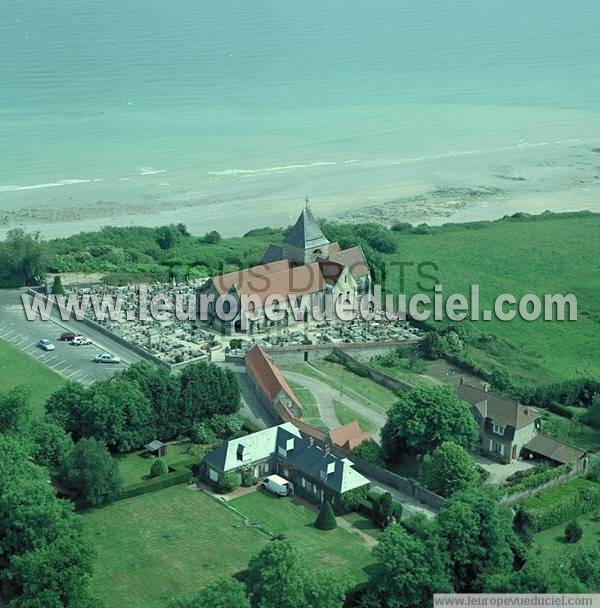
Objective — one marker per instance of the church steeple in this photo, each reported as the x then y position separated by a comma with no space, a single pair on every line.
306,241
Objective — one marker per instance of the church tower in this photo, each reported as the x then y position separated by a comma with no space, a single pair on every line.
305,243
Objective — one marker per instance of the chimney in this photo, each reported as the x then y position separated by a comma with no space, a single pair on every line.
462,381
311,442
327,449
486,387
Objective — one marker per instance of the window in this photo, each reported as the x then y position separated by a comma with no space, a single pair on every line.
498,448
281,451
213,475
499,430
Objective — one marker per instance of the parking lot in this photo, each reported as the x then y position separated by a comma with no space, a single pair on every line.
72,362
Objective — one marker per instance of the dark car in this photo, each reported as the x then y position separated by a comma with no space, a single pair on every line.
67,336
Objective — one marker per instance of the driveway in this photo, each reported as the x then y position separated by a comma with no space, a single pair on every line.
325,395
71,362
499,472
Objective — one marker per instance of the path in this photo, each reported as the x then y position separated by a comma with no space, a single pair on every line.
325,395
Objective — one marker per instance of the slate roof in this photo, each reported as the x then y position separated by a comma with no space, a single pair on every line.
336,473
273,253
267,375
306,232
554,449
154,445
502,411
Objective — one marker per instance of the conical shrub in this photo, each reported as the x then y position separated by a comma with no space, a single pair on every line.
326,518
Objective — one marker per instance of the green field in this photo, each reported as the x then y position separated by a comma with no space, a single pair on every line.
19,369
155,546
345,414
337,548
135,466
310,410
548,255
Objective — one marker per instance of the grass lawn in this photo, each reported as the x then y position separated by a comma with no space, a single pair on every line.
337,548
401,371
164,544
135,467
363,390
19,369
550,255
551,543
310,410
344,414
360,522
169,543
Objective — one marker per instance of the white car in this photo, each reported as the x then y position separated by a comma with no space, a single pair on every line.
45,344
80,341
107,358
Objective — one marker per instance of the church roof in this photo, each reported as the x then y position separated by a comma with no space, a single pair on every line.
306,232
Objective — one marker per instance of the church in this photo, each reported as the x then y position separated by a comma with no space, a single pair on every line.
306,263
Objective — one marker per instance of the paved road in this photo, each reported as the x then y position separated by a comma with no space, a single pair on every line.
325,394
72,362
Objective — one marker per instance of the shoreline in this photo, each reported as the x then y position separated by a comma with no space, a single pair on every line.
460,187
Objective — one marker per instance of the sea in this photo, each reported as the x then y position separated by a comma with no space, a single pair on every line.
129,108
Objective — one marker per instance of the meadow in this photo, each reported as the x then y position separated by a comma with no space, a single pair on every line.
18,369
547,254
167,543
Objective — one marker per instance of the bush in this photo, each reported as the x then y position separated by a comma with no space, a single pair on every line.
57,286
349,501
370,451
573,531
385,510
561,503
227,483
158,468
248,476
200,433
593,472
326,518
561,410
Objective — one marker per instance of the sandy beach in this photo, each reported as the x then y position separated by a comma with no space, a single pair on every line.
455,187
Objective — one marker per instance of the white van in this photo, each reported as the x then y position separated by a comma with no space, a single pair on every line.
277,485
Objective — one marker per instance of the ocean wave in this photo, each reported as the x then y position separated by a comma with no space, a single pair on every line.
151,171
246,172
62,182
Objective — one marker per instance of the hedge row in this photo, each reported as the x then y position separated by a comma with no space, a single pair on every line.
181,473
560,504
539,478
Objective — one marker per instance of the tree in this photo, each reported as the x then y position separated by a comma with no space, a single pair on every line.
200,433
57,286
433,345
449,469
573,531
326,518
23,259
158,468
222,593
52,444
477,535
500,379
409,570
423,419
278,577
226,426
161,388
592,416
370,451
92,473
166,236
385,510
15,411
212,237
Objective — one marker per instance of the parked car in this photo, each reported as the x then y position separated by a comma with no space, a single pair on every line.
80,341
278,485
45,344
107,358
67,336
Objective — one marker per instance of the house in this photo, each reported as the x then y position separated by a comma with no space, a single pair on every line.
509,430
306,264
270,386
505,426
314,472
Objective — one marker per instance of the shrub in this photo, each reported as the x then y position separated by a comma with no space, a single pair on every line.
158,468
573,531
57,286
593,472
370,451
386,510
326,518
227,483
349,501
561,410
248,476
202,434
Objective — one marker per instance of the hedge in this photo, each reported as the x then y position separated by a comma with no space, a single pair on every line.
558,505
181,473
561,410
536,479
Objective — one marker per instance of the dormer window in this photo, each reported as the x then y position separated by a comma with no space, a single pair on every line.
499,430
289,444
243,453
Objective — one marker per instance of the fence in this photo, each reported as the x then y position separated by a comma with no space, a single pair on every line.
509,499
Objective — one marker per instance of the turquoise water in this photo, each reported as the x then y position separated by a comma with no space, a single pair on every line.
123,99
